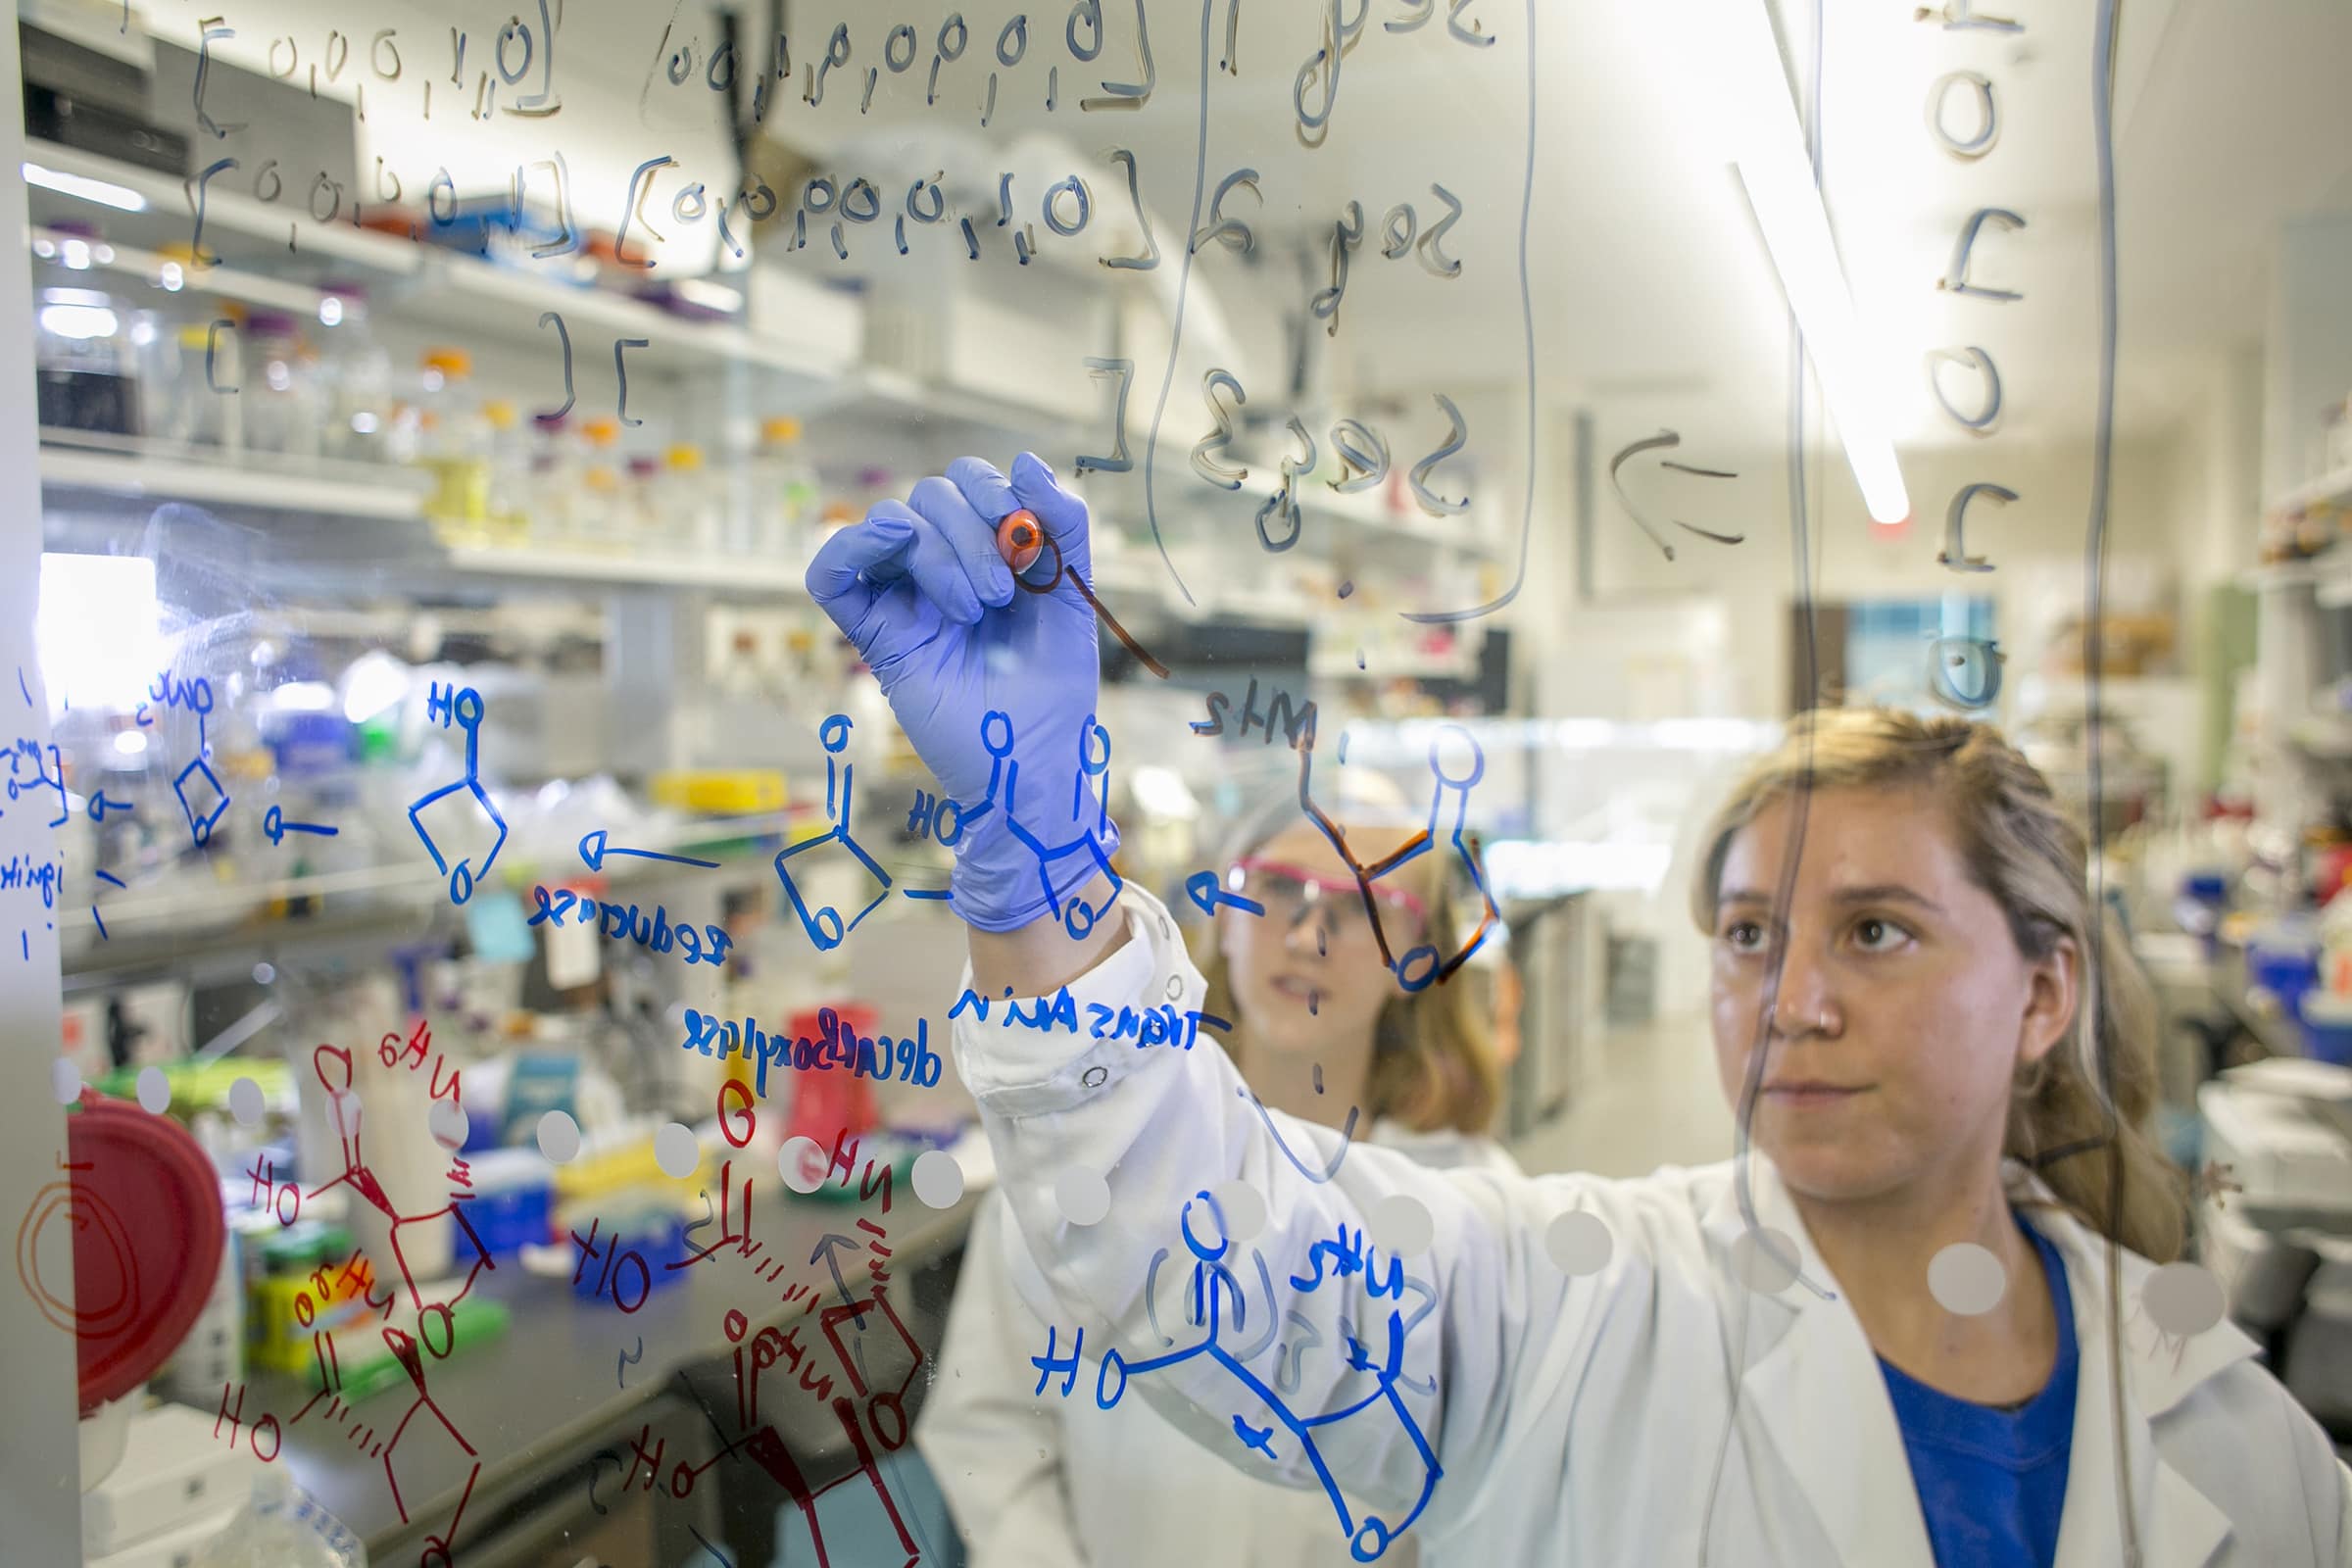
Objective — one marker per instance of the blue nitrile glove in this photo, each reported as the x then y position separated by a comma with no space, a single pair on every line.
920,591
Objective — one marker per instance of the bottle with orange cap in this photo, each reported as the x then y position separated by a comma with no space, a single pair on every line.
599,514
689,504
454,445
506,499
783,497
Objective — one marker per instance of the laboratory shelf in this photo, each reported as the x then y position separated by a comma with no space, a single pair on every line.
454,295
2333,488
720,574
74,461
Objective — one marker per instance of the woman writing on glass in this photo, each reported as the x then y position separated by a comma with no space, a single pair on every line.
1320,1033
1919,1321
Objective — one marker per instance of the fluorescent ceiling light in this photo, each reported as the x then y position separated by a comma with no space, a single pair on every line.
89,190
1770,151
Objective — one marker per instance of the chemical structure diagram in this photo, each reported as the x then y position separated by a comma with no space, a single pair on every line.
410,1351
1423,963
824,924
1076,914
1367,1538
343,1109
443,704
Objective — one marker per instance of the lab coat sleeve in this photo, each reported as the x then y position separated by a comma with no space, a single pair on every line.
1329,1375
994,1446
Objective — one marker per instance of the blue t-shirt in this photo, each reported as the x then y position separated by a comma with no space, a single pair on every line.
1993,1481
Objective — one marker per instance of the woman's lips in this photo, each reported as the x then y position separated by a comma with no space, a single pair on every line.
1809,1097
1298,988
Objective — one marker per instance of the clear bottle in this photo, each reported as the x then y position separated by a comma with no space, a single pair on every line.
599,514
784,495
690,519
279,393
356,378
553,507
84,361
641,531
453,441
176,404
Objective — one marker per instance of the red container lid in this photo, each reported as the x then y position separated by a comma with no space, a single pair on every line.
143,1206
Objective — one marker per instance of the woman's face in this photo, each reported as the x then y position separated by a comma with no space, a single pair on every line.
1904,1007
1307,973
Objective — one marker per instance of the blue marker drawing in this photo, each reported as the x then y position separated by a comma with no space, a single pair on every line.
628,1358
594,848
102,934
466,706
1077,916
21,687
109,876
824,924
53,776
200,825
100,805
1201,888
276,827
1433,966
1367,1538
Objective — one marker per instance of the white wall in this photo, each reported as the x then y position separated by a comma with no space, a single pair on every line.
38,1498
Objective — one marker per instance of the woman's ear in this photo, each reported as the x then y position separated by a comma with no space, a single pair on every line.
2053,994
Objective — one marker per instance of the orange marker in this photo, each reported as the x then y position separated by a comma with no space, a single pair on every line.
1020,539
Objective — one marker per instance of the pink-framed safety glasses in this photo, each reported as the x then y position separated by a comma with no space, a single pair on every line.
1284,889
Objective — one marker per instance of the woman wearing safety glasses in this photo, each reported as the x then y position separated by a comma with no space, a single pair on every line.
1321,1032
1922,1322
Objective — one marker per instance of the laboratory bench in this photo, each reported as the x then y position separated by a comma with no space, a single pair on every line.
553,1407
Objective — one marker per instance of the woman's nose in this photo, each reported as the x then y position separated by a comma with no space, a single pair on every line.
1804,1001
1309,930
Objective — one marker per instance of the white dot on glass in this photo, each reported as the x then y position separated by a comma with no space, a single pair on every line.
1082,1195
676,1151
1578,1242
1765,1261
448,1124
64,1081
1243,1210
938,1179
2183,1299
245,1101
797,1159
1966,1279
155,1090
559,1137
1400,1225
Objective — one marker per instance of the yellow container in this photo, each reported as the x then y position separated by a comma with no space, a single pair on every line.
720,791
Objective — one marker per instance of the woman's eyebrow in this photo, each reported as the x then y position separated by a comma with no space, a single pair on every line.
1873,893
1886,893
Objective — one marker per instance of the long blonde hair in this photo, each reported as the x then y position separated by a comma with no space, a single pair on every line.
2019,844
1433,1052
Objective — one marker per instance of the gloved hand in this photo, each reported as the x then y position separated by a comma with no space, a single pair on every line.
993,682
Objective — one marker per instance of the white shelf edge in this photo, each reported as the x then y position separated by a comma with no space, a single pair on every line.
716,571
147,475
2334,486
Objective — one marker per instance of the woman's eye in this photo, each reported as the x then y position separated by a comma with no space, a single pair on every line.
1880,936
1744,935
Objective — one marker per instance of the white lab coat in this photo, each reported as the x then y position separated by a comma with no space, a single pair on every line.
1655,1413
1045,1482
